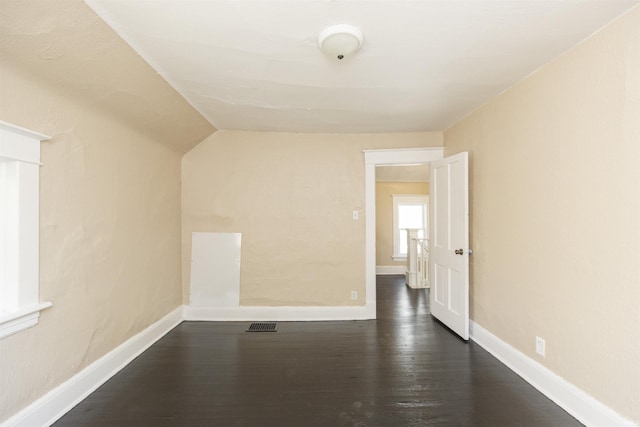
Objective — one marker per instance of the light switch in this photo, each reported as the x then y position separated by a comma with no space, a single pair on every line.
356,215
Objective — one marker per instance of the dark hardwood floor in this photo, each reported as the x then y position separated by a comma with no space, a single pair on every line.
403,369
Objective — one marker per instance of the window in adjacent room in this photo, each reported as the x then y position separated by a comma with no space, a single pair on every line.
409,211
19,229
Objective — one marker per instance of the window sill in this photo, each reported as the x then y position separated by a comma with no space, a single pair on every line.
21,319
399,258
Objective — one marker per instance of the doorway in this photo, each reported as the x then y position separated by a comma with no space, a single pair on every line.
373,158
402,198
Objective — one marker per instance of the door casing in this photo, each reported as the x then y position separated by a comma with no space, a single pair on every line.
390,157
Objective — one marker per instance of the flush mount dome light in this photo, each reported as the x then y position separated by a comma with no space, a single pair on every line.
340,41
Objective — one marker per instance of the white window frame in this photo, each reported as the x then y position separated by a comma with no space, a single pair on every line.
407,199
20,305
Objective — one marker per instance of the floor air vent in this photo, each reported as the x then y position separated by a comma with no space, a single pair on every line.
263,327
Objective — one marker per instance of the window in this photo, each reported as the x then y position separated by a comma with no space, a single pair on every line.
409,211
19,229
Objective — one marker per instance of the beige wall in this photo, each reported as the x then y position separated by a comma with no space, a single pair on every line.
384,216
555,181
109,192
65,45
291,196
109,239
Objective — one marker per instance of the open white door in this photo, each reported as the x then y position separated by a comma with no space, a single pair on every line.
449,244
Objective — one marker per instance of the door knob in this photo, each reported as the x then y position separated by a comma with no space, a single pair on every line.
459,251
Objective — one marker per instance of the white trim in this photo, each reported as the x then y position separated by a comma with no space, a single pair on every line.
10,158
57,402
19,228
386,270
16,321
23,131
575,401
373,158
370,232
279,313
53,405
20,144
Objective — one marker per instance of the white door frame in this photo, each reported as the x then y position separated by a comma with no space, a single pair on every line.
373,158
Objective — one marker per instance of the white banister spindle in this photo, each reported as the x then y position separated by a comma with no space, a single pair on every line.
417,275
412,257
423,263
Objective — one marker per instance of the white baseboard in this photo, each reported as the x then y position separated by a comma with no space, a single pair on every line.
53,405
576,402
57,402
390,269
246,313
49,408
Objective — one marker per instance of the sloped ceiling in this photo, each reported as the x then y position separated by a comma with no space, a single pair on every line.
255,65
65,44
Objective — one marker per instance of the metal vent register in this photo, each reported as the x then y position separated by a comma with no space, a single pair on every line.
263,327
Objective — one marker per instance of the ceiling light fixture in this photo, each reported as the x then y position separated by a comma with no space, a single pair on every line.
340,41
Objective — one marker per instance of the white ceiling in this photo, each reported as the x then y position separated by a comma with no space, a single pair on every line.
424,65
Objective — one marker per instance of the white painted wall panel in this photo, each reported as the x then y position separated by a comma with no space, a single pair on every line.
215,269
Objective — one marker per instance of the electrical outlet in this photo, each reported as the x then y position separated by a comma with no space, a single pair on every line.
356,215
354,295
540,346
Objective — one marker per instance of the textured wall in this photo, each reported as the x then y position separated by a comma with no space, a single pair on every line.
109,189
109,239
384,216
66,46
291,196
555,182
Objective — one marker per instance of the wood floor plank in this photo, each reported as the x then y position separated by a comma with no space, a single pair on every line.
404,369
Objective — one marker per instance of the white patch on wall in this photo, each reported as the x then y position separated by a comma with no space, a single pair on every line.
215,269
